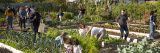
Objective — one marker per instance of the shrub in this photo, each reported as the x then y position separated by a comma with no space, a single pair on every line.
134,10
2,20
89,44
68,15
145,46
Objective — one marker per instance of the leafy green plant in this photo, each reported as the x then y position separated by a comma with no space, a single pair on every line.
145,46
68,15
2,20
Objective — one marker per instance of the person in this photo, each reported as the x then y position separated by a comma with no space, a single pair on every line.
81,12
122,23
28,10
14,11
83,30
22,14
68,45
9,17
60,15
152,24
59,41
77,47
97,2
35,20
93,31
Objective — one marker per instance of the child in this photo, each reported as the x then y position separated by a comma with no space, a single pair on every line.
83,30
60,39
77,47
68,45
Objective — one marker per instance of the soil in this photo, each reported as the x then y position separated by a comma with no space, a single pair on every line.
131,28
4,50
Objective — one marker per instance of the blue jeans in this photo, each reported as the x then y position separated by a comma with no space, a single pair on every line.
9,22
122,29
152,30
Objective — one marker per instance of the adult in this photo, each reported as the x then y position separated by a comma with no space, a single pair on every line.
35,20
22,14
93,31
122,21
9,17
60,15
81,12
152,24
28,10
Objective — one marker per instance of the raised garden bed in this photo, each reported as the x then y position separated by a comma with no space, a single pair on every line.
131,28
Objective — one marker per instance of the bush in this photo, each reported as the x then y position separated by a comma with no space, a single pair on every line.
2,20
134,10
68,15
145,46
89,44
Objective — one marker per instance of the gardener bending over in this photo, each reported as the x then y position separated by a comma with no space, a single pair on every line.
94,31
59,40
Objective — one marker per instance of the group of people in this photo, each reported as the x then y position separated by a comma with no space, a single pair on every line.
30,16
99,33
27,15
69,44
123,19
24,13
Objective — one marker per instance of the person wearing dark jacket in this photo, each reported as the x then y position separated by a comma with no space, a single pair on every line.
122,21
35,20
152,24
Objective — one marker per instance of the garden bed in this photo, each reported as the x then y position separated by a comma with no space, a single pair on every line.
23,41
132,36
131,28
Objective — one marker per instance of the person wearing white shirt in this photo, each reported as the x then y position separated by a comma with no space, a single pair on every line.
93,31
77,47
